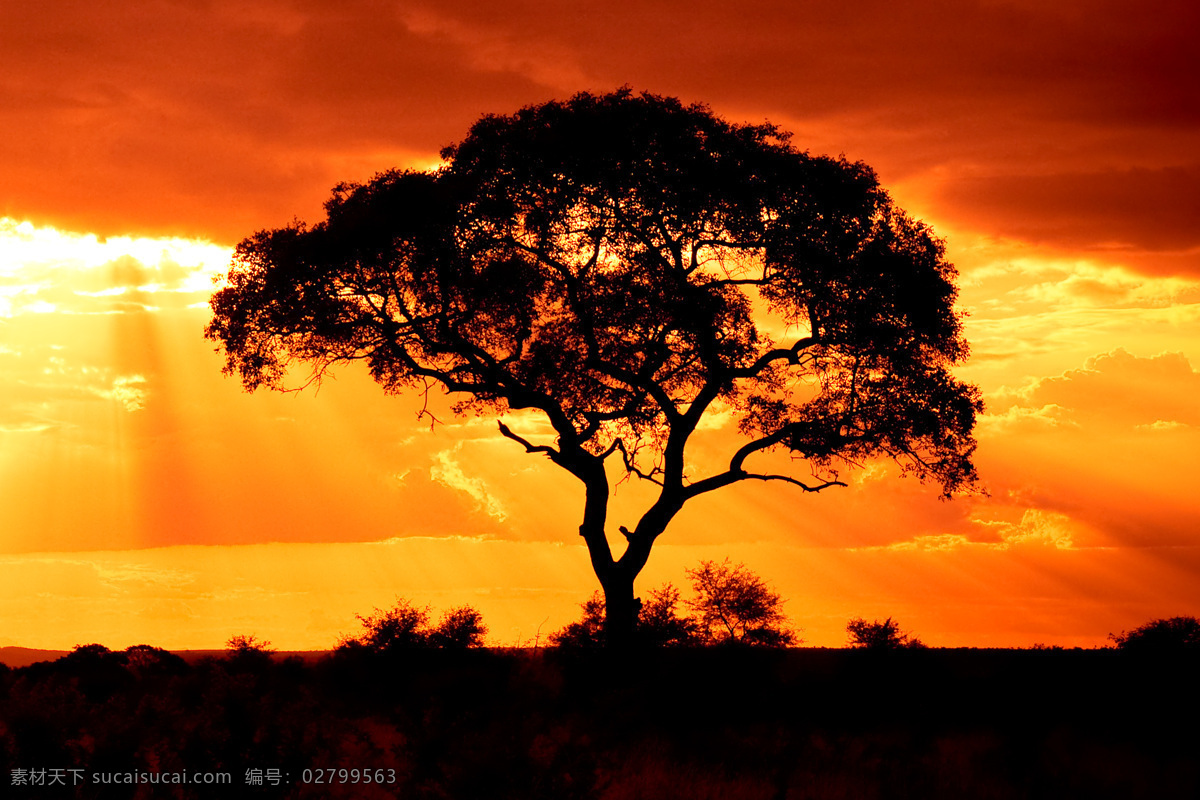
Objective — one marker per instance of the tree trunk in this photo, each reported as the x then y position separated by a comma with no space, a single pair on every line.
621,607
620,611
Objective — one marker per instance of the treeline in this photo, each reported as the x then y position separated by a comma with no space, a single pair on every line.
729,606
705,722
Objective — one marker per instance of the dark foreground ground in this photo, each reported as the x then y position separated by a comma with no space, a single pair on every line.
540,724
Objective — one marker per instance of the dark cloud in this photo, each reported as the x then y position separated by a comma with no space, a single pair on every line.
163,118
1129,209
212,118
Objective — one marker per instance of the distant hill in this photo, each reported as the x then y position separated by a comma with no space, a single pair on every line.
24,656
307,656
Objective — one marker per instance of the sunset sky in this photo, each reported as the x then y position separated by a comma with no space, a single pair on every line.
145,497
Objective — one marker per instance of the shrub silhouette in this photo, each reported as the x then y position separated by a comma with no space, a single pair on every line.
734,606
659,623
405,627
97,671
241,643
145,660
248,652
92,654
880,635
459,629
1173,635
588,631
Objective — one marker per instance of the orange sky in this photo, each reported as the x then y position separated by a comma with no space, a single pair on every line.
144,497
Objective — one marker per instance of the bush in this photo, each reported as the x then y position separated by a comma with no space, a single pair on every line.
248,652
732,606
880,635
241,644
405,627
588,632
145,660
1173,635
735,606
459,629
660,624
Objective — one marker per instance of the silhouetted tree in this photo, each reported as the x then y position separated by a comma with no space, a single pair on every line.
248,652
401,627
242,643
98,671
880,635
622,265
659,623
1172,635
145,660
588,631
735,606
459,629
92,654
405,627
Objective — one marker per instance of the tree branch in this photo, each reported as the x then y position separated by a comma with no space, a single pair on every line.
737,472
618,445
748,449
754,476
734,475
529,447
789,354
634,381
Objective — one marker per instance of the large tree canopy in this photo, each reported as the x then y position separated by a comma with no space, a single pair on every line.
623,264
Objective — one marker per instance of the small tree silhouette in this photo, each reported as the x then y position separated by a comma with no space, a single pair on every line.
248,644
248,653
459,629
93,654
735,606
880,635
401,627
1172,635
588,631
732,605
659,623
145,660
405,627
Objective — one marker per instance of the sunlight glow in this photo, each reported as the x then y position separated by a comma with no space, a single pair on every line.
139,488
23,243
38,263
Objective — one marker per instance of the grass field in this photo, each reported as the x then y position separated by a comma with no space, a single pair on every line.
696,724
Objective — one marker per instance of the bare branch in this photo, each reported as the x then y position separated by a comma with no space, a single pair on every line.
732,476
789,354
630,467
750,448
753,476
427,387
529,446
737,471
